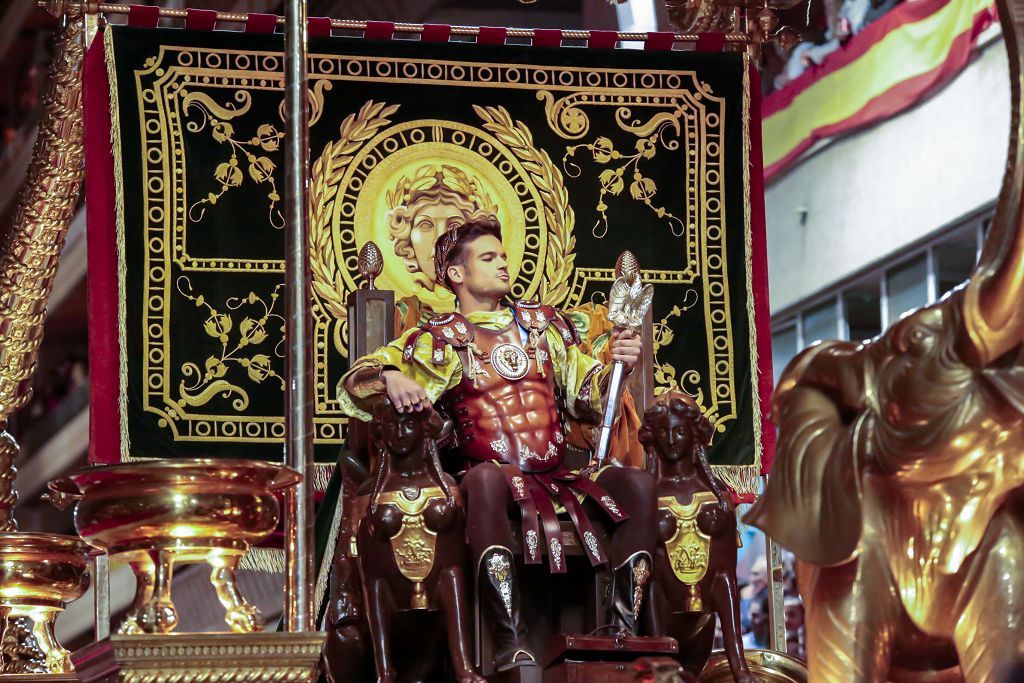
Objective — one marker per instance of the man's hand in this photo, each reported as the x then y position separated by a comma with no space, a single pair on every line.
406,394
625,347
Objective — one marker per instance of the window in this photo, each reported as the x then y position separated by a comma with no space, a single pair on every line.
821,322
863,309
954,261
784,347
863,305
907,287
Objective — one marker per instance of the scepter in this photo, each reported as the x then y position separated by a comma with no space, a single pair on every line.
628,303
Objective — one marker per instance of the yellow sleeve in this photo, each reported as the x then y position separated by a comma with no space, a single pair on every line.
434,378
579,377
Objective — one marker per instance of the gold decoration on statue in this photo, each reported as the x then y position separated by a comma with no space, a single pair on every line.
898,476
414,544
689,546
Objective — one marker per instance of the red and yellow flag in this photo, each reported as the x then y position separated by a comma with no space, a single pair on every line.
892,64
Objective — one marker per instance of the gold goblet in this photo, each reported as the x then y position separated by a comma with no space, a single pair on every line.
39,575
155,514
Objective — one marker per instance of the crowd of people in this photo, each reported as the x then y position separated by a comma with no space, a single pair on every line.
841,22
755,604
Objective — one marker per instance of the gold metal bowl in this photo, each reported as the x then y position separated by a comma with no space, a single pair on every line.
155,514
773,667
39,575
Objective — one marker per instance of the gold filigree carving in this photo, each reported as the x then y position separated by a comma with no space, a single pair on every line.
46,203
688,548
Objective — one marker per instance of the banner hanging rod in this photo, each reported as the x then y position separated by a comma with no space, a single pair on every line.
399,27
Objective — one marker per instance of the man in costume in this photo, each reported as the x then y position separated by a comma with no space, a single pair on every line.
503,373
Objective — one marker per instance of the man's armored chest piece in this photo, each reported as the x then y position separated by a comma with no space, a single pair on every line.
688,548
505,408
510,413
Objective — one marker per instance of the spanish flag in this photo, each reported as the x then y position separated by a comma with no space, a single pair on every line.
908,53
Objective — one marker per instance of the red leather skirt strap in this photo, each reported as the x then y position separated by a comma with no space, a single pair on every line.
549,520
591,490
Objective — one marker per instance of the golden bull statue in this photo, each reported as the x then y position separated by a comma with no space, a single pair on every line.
899,479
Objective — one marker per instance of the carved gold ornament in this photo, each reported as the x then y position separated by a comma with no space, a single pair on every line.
414,545
688,548
202,658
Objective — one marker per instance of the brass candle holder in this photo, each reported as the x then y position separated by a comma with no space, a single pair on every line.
160,513
39,575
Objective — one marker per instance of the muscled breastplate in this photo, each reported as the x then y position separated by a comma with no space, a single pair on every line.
508,411
505,408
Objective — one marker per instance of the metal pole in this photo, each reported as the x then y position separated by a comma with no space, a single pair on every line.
776,593
101,596
298,329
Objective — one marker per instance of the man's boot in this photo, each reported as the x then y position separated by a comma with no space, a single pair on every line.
629,583
499,600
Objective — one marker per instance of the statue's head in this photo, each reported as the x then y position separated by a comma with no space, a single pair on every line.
426,205
403,433
472,259
674,428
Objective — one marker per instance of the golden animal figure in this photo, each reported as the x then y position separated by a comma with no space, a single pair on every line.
899,479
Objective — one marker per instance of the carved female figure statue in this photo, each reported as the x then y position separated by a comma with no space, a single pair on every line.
411,538
695,558
425,206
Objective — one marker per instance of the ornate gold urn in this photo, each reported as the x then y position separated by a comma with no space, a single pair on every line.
39,575
156,514
771,666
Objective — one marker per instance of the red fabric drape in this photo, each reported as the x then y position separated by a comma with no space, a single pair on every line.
104,356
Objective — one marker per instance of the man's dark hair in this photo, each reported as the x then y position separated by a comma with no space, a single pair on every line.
451,248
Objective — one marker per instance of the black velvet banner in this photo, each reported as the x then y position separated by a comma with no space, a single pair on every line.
580,153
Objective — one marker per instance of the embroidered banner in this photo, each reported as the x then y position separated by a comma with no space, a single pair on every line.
580,153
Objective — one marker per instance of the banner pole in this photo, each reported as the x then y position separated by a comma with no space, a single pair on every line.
298,327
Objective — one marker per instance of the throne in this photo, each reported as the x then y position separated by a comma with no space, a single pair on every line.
561,611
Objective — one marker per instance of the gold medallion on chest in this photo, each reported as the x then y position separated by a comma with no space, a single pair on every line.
510,361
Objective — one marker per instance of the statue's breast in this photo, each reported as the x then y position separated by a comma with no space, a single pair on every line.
689,546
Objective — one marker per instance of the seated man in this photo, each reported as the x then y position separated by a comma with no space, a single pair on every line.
495,369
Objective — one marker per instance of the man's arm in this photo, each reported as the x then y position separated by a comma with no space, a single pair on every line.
584,380
385,373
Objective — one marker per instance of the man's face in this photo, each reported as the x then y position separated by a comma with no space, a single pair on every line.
429,224
485,273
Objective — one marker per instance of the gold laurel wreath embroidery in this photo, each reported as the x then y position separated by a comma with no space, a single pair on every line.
561,253
328,170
